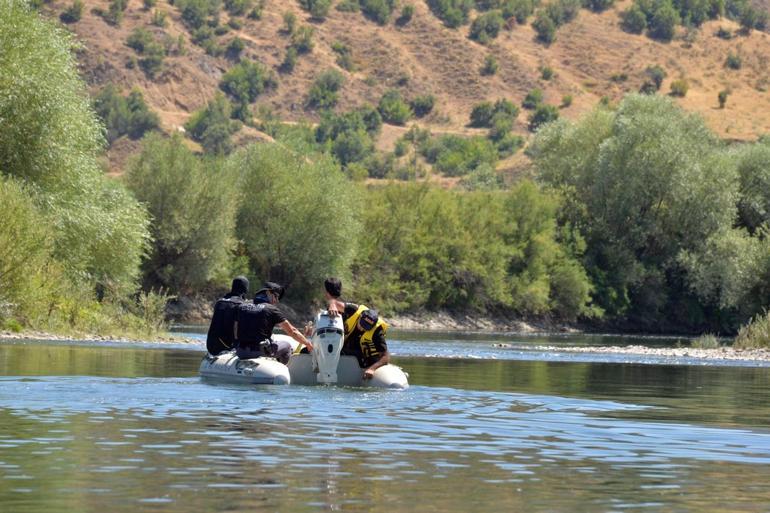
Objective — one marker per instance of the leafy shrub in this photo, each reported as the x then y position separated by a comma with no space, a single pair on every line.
755,334
344,55
484,113
452,12
281,178
486,27
27,250
490,66
405,17
245,81
533,99
519,9
72,13
566,101
151,51
124,116
544,27
302,39
234,48
723,33
317,8
634,20
289,60
706,341
378,10
238,7
394,109
193,208
679,88
289,22
348,6
648,152
598,5
562,11
722,97
733,61
51,140
543,114
324,92
664,21
422,105
197,13
212,126
457,156
546,72
655,77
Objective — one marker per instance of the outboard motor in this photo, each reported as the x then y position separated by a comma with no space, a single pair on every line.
328,336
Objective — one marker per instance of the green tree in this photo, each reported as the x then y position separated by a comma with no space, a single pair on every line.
50,138
644,184
325,90
193,205
292,197
212,127
753,162
394,109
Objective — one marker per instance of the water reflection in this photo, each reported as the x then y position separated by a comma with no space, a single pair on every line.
469,435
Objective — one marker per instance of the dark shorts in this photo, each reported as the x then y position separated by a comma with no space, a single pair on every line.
280,350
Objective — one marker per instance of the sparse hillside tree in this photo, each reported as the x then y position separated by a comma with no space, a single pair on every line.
394,109
325,90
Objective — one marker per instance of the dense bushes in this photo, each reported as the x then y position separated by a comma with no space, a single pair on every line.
193,206
325,90
293,197
378,10
95,233
452,12
456,156
212,127
394,109
656,197
350,136
244,82
428,248
124,115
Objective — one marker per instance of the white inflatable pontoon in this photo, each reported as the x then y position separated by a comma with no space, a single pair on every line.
325,365
254,371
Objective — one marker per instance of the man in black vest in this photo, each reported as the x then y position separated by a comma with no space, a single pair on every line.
221,336
255,323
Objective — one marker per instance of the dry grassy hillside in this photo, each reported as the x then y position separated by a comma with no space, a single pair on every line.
592,58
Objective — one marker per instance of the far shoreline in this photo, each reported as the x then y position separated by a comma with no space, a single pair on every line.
721,353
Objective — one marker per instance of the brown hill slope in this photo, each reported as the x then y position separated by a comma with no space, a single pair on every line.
592,58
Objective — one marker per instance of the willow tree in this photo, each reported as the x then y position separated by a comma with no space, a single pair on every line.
193,205
297,217
49,141
644,184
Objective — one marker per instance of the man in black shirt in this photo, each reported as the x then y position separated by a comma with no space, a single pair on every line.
221,337
255,323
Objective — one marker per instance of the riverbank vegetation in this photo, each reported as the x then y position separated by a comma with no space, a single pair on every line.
636,216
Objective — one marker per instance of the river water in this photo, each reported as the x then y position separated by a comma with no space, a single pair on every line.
117,427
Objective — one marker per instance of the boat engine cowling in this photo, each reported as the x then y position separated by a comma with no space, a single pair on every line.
328,336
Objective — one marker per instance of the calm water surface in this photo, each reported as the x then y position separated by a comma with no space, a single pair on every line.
132,428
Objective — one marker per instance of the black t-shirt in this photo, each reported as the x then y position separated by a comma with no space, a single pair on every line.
221,336
256,323
367,354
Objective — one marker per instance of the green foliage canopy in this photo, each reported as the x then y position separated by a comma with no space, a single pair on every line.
193,205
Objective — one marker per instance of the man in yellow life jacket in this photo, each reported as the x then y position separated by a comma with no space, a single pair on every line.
365,338
364,330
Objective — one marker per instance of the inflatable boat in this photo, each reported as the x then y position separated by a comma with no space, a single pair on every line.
325,365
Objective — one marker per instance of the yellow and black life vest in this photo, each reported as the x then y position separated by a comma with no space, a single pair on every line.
367,346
